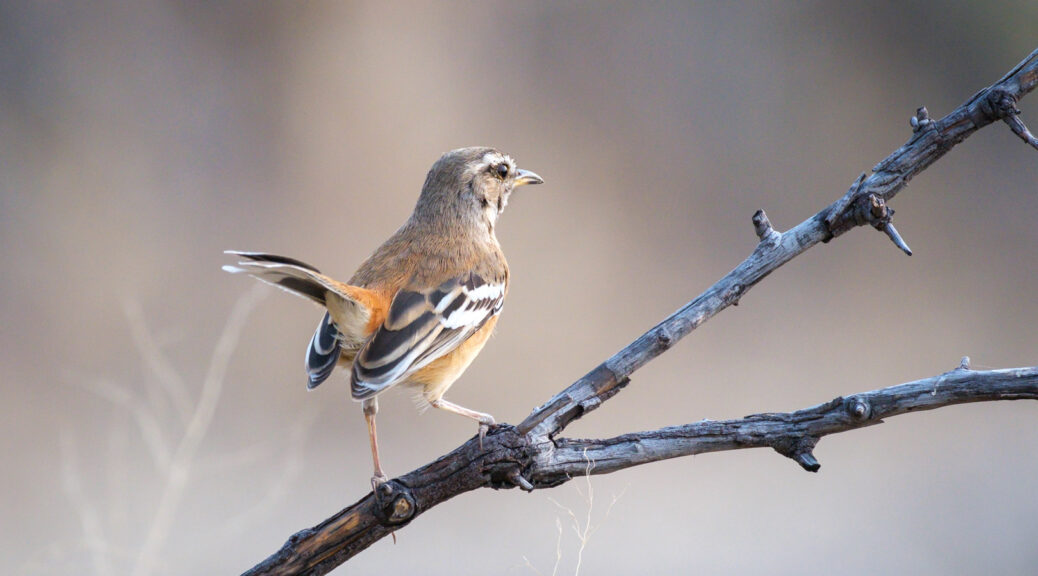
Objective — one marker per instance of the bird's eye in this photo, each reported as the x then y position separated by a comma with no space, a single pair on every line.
501,170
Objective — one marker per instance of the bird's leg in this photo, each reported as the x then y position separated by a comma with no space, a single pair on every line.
370,407
485,420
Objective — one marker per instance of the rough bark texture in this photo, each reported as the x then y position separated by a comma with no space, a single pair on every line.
791,434
531,456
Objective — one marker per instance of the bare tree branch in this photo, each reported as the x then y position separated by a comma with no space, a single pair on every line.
791,434
506,453
864,203
530,456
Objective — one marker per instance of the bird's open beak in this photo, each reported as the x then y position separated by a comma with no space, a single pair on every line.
524,177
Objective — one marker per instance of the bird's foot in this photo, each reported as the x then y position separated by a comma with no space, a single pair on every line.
486,422
378,480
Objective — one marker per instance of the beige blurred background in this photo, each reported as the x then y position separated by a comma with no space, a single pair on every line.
139,142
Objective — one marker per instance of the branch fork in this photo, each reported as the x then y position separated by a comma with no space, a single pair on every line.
531,455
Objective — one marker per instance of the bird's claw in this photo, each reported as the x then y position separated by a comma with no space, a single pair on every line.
377,481
485,424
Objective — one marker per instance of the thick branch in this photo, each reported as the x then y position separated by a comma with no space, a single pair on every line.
529,456
506,454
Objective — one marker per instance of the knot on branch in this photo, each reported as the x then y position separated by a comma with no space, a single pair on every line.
509,461
664,339
734,293
998,104
394,503
839,217
857,408
799,449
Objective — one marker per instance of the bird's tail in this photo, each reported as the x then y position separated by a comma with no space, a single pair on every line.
348,322
286,273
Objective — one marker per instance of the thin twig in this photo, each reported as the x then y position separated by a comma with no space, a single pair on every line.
89,516
166,376
198,426
145,419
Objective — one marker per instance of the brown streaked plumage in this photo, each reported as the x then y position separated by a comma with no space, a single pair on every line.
422,306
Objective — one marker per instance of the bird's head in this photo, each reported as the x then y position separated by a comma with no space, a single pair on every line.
471,183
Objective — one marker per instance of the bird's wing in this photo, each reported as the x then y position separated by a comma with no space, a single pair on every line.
421,326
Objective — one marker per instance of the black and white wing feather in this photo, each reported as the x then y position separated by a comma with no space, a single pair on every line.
422,326
301,279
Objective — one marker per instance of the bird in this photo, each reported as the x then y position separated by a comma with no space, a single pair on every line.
422,306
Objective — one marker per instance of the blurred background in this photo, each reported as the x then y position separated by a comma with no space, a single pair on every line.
154,414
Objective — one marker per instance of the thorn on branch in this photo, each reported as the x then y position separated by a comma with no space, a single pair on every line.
896,238
856,208
517,479
1020,129
964,364
876,212
1000,104
506,475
